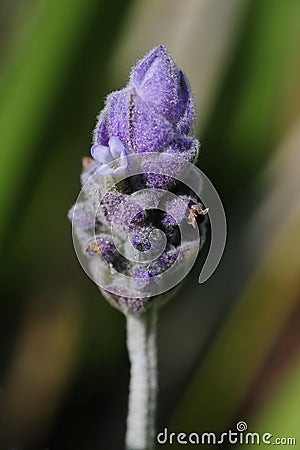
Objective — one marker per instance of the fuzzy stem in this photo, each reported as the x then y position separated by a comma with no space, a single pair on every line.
141,343
152,375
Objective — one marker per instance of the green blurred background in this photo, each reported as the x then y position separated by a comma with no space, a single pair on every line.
229,350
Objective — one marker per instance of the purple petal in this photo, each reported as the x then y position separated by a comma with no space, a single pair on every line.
116,147
101,154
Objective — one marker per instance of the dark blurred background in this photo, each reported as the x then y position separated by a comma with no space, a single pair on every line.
229,350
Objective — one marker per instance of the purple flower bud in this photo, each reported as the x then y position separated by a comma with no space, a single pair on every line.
120,222
176,212
82,215
140,238
142,276
120,209
102,245
155,107
161,85
120,297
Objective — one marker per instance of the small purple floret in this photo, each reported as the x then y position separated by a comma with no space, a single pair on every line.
114,152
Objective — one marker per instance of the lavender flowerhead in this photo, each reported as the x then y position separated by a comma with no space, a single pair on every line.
136,220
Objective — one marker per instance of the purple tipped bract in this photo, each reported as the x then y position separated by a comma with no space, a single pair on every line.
154,110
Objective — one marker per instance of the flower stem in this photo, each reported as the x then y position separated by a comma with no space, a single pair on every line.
141,343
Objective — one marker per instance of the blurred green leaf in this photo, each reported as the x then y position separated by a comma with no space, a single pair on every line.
280,417
235,358
31,83
246,119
